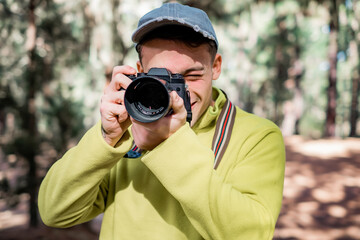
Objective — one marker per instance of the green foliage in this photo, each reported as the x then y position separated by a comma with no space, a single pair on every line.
77,43
60,46
275,50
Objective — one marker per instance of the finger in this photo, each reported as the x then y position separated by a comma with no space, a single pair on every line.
177,102
112,110
114,97
119,80
125,69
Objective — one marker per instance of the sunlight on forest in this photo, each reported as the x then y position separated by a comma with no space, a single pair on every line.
296,63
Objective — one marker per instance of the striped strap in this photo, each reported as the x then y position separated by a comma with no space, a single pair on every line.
223,130
135,152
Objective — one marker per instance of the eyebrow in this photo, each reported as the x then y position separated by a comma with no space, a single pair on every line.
200,68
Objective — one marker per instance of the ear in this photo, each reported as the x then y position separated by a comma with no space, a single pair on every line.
216,67
139,67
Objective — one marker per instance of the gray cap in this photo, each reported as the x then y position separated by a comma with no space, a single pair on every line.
175,14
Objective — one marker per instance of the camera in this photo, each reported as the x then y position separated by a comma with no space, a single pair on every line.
147,97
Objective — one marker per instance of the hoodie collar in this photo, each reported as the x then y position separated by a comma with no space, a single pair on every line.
208,119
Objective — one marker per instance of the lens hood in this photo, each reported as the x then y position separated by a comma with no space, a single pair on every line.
147,99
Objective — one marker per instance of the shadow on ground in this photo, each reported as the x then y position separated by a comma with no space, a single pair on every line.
321,197
322,190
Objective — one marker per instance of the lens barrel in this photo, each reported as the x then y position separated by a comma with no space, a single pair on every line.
147,99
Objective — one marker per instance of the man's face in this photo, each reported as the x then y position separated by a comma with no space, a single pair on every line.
195,64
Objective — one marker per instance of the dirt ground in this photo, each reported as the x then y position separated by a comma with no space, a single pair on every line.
321,197
322,190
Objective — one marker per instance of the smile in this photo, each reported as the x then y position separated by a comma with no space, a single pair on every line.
193,104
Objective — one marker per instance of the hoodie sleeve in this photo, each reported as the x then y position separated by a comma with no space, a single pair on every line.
75,188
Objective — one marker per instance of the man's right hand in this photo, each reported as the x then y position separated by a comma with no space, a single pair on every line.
114,117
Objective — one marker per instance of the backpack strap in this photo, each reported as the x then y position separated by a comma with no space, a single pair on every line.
222,135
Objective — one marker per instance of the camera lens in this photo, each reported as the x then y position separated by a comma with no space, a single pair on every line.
147,99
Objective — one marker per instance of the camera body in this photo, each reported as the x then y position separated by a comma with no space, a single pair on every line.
147,97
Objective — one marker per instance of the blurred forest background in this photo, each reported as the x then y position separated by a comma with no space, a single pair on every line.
294,62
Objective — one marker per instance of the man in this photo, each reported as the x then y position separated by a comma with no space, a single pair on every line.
218,177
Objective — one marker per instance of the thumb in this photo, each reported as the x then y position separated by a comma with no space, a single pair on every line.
177,102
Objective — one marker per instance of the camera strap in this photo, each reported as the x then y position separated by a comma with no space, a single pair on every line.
135,152
222,135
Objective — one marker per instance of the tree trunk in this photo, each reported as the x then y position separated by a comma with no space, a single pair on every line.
282,65
330,123
354,112
30,125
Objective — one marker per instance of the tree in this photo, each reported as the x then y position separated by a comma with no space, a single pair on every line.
30,127
28,65
330,124
355,49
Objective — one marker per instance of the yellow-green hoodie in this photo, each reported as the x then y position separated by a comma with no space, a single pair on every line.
173,191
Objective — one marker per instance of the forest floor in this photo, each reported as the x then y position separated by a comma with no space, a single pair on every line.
321,197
